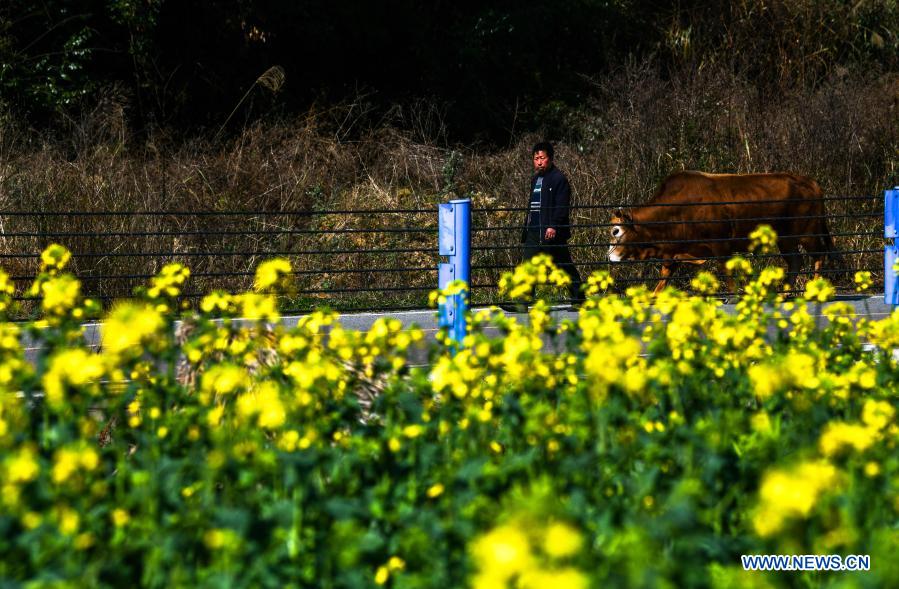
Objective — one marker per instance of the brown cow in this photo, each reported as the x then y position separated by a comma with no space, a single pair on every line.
725,209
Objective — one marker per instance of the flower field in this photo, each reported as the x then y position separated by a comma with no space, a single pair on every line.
649,443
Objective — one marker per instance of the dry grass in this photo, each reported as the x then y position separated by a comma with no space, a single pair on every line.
636,129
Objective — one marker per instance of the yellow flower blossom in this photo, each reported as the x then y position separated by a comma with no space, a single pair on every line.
838,435
217,302
258,307
863,280
273,275
503,552
169,281
566,578
763,240
786,494
224,379
877,414
819,290
60,294
22,466
561,541
382,575
120,517
67,520
705,283
71,368
55,257
130,325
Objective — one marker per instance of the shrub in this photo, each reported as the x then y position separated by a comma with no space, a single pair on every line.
648,443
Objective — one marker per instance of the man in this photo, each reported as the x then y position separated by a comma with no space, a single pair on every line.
547,226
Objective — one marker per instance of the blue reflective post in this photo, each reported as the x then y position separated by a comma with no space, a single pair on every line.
454,241
891,251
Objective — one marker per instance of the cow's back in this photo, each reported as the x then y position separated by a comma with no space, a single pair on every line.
722,206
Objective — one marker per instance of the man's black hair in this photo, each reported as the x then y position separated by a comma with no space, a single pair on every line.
544,146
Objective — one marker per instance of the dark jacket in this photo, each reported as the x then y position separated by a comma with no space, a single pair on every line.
554,202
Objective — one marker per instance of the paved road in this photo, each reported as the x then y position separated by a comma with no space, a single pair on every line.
871,307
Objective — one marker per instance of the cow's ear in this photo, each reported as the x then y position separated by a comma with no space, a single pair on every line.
620,217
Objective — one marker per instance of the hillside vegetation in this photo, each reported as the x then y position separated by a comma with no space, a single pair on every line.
805,87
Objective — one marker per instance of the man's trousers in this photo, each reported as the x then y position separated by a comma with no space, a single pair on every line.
561,257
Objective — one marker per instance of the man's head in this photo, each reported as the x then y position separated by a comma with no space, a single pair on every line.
543,157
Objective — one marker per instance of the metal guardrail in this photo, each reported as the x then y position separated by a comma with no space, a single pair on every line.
372,259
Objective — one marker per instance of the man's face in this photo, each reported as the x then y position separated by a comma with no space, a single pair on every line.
541,162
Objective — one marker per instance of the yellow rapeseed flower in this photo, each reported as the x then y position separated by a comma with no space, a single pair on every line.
838,435
68,520
738,266
60,294
566,578
273,275
766,380
258,307
382,575
130,325
120,517
561,540
168,282
22,466
877,414
65,462
863,280
413,431
872,469
72,367
763,240
705,283
598,283
792,493
819,290
55,257
224,379
503,552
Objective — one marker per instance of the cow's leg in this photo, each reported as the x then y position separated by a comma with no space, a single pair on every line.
664,275
817,249
789,251
689,259
668,269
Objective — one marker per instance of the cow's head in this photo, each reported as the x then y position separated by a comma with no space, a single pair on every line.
622,232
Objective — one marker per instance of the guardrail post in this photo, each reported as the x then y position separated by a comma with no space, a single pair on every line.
890,251
454,241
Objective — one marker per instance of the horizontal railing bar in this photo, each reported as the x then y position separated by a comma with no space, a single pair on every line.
179,233
688,222
422,307
214,213
232,213
234,274
640,243
225,254
199,295
656,260
689,204
645,278
217,232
